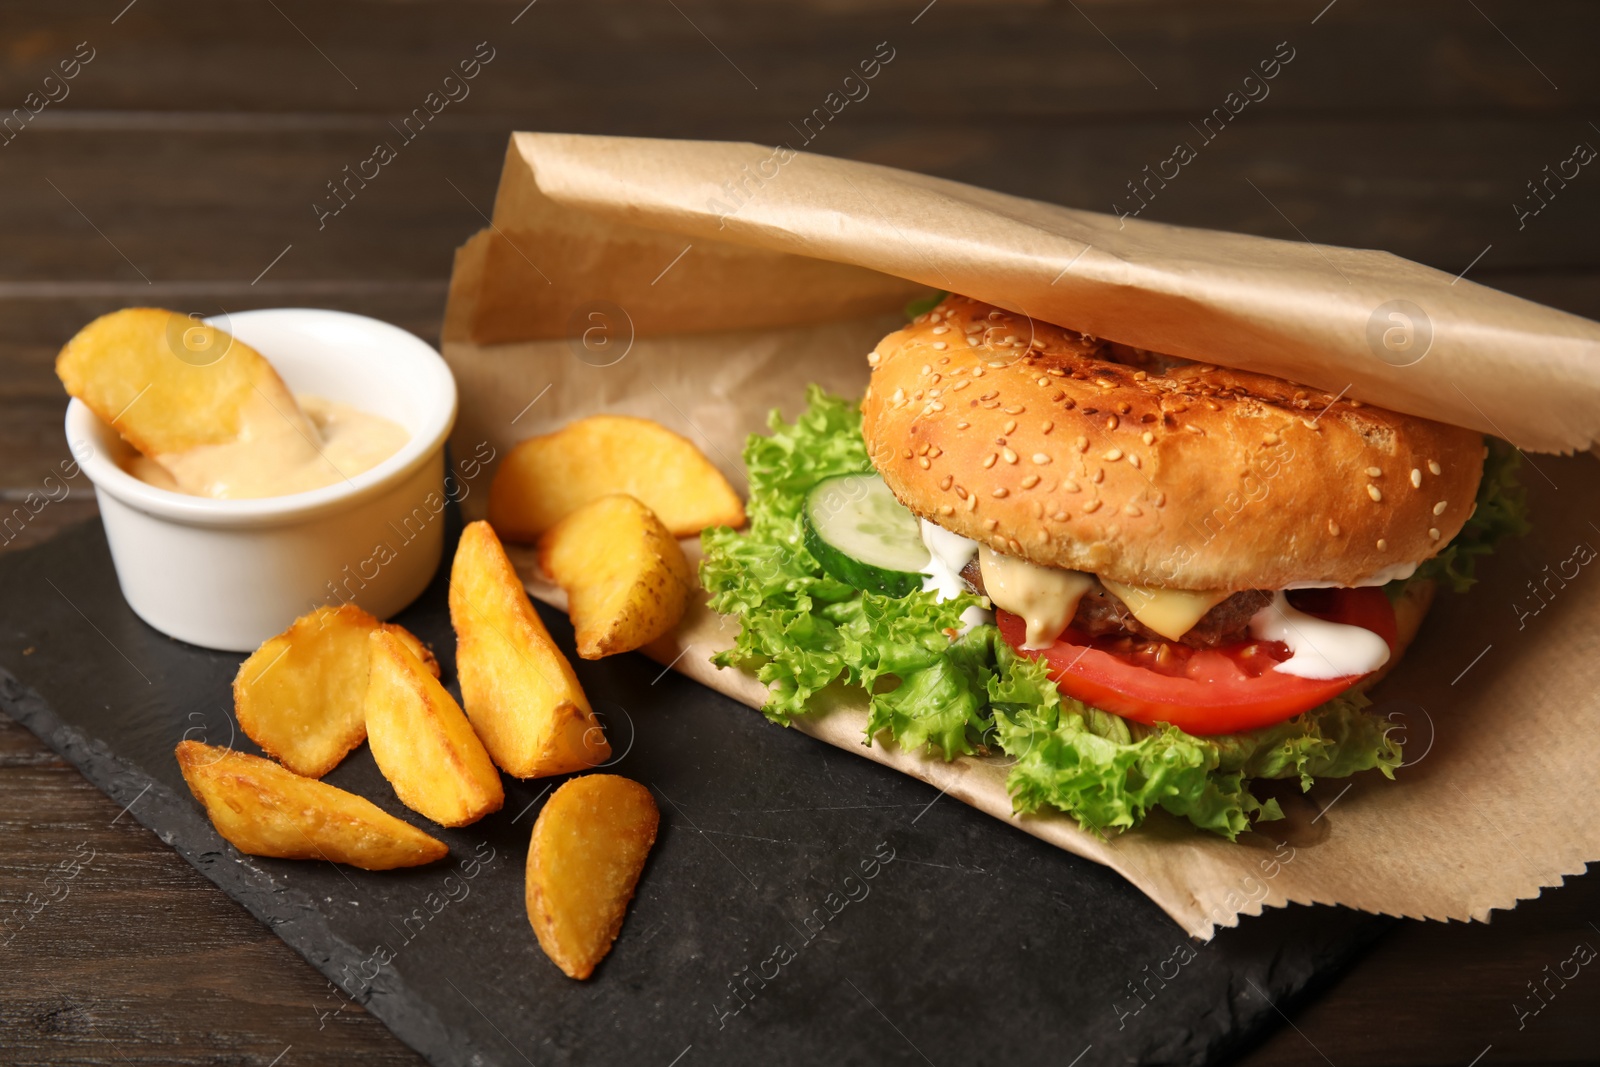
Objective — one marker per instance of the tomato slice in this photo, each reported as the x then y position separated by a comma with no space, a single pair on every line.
1203,691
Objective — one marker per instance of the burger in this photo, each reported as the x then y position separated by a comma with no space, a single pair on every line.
1143,582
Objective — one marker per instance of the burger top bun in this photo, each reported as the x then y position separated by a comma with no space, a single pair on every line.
1074,452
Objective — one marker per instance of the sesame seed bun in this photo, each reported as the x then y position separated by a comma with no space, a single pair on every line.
1075,452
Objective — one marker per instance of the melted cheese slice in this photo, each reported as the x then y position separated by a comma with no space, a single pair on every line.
1169,612
1045,597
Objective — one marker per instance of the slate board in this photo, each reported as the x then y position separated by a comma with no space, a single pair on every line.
974,944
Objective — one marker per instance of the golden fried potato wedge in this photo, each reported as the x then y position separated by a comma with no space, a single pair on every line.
169,383
544,479
589,847
262,809
423,743
516,686
626,579
301,695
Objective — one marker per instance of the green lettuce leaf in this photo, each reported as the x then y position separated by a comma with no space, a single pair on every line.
930,688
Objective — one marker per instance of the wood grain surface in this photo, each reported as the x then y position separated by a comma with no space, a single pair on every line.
180,165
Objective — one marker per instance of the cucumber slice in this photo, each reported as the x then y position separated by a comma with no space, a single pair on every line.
863,536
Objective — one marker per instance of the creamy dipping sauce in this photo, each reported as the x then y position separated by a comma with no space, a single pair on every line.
1045,597
277,453
948,553
1317,648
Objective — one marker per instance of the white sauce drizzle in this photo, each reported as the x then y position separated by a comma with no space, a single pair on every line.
948,553
1317,648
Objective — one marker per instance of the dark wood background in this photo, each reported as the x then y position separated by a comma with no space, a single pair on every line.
180,170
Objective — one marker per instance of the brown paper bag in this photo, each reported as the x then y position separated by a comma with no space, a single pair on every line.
702,284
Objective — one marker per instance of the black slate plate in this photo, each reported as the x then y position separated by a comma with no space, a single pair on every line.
755,936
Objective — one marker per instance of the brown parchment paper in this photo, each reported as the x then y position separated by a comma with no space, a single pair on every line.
703,284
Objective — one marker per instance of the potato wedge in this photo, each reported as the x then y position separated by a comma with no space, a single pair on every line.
301,695
262,809
544,479
169,383
422,742
517,688
626,579
589,847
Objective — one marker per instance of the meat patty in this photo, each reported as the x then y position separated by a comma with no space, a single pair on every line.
1100,612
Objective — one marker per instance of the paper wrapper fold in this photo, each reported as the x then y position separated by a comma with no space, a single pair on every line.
703,284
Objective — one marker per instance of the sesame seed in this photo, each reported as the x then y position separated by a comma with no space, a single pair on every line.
946,482
908,453
1017,409
1070,486
962,384
1333,528
1043,380
1111,422
1161,500
1113,454
940,345
972,502
988,461
989,524
1374,472
1133,509
1148,438
1010,426
1271,439
922,461
1383,545
963,424
1099,476
1030,481
1356,404
1374,492
1416,478
1008,455
941,329
961,491
1081,444
1060,516
1001,493
873,358
1041,459
1134,460
977,372
927,368
1047,427
972,340
1091,506
923,451
937,405
1434,468
1438,509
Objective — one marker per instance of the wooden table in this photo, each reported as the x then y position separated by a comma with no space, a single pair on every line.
180,162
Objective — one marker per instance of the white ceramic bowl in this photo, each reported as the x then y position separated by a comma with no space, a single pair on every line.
228,574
